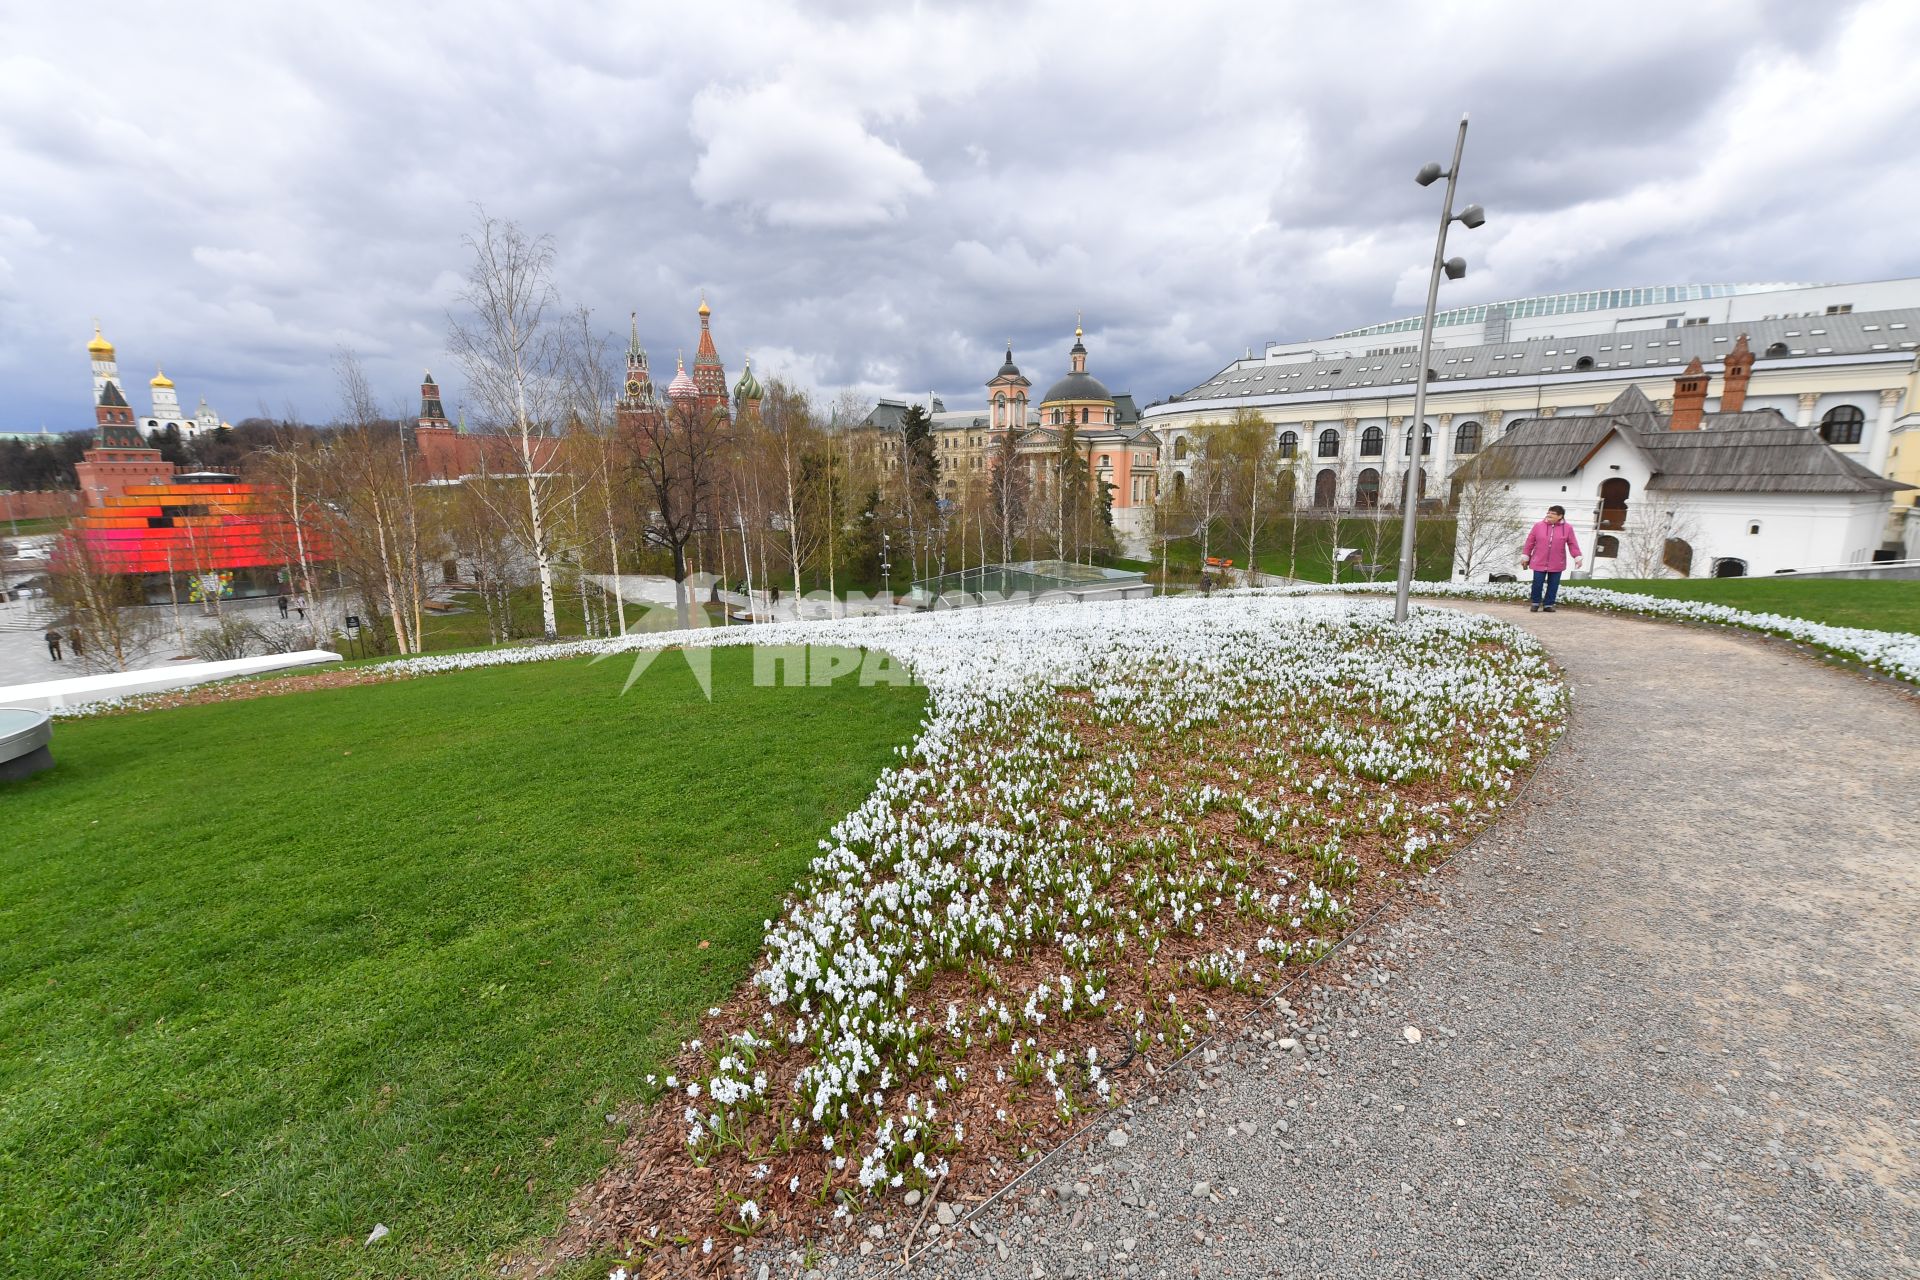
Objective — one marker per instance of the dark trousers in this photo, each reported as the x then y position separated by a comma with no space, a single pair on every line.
53,649
1550,581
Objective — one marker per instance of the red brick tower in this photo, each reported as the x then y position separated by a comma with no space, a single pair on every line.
1689,397
709,376
1733,389
434,436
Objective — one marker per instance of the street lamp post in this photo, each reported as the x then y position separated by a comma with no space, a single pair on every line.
1471,217
886,569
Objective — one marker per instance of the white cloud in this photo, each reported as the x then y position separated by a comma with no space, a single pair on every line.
876,197
798,161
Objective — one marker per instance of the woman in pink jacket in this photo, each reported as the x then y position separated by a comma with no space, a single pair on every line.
1549,543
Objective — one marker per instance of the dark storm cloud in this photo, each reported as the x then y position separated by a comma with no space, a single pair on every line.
876,197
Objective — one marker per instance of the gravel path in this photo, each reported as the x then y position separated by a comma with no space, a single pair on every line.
1667,1017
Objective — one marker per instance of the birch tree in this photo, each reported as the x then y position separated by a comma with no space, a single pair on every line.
593,384
514,357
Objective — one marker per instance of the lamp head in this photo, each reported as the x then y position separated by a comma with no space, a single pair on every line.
1429,174
1456,268
1472,216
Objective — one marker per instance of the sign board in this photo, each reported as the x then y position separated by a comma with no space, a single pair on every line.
353,622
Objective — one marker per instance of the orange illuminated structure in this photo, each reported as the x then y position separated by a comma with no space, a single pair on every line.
214,533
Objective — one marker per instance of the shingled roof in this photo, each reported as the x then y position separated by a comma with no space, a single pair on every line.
1756,451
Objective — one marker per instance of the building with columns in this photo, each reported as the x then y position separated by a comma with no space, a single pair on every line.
1836,358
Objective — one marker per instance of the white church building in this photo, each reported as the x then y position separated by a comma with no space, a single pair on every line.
164,396
1688,493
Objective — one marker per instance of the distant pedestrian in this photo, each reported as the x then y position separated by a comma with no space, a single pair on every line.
73,643
1548,545
299,607
283,608
53,644
1206,584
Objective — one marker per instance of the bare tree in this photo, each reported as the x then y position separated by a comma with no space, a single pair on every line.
677,451
515,361
365,482
1658,542
592,386
1010,492
1489,522
99,605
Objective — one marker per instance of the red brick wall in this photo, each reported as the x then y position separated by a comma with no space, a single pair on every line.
29,505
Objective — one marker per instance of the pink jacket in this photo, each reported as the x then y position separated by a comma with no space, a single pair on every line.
1549,545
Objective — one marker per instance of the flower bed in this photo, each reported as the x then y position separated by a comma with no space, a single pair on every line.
1120,825
1895,653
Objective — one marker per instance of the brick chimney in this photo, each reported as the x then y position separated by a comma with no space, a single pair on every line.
1733,390
1689,397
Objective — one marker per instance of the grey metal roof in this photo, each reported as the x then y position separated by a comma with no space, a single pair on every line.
1755,451
1125,411
1637,353
1077,386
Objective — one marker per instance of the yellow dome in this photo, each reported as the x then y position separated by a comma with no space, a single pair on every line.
160,379
705,310
100,346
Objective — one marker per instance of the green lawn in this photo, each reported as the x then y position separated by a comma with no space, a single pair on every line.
1881,605
1307,553
29,528
276,971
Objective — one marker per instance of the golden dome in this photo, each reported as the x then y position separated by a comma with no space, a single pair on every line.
100,346
705,310
160,379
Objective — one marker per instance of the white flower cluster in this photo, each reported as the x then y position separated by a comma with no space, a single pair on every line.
1896,653
1060,819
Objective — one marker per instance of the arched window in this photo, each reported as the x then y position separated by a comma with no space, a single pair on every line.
1583,363
1083,416
1366,489
1373,441
1613,503
1426,441
1841,425
1728,567
1179,484
1180,449
1677,555
1325,485
1606,547
1777,350
1466,438
1058,418
1329,448
1289,444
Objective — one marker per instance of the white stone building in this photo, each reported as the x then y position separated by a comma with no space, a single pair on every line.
1836,358
1722,494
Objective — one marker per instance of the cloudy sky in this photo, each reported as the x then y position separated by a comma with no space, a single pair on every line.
877,196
